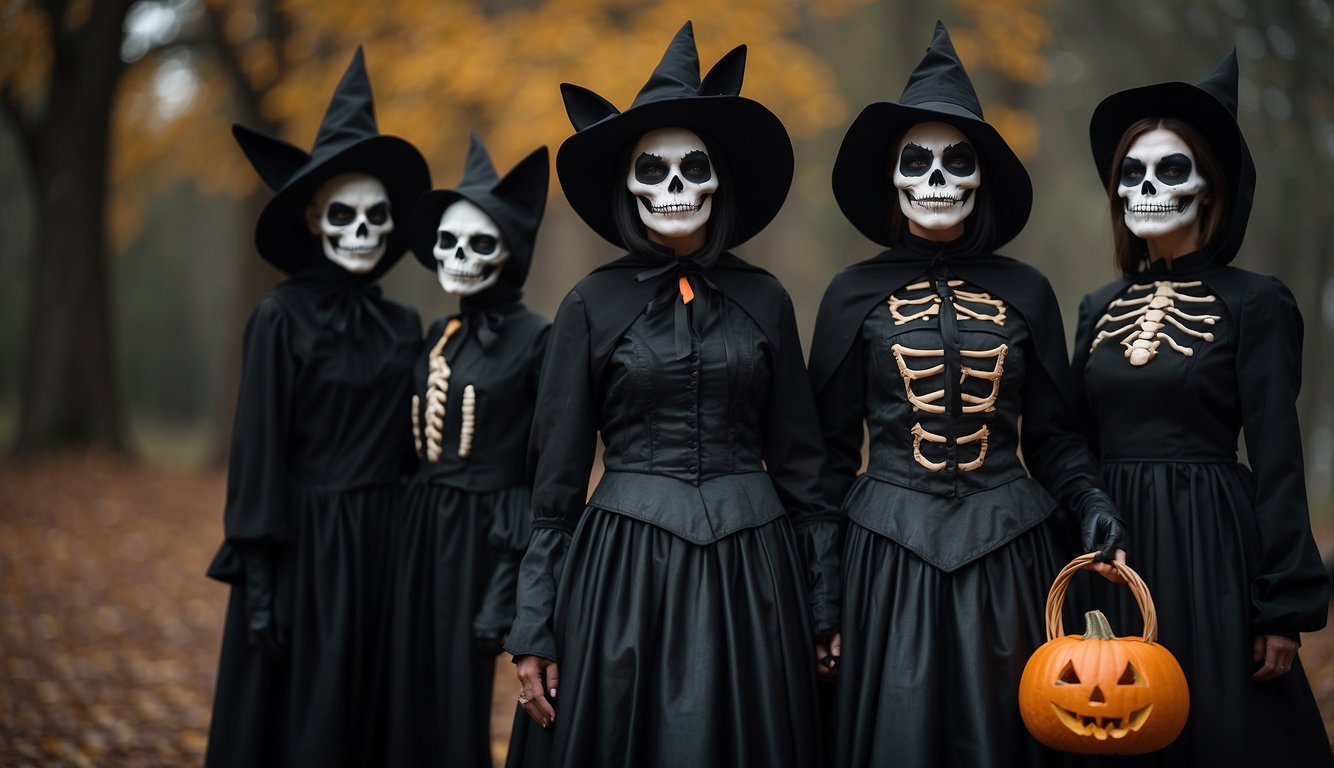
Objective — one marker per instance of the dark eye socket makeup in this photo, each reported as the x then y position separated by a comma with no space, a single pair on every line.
1132,171
378,213
650,169
695,167
1174,169
341,215
448,239
915,160
960,159
484,244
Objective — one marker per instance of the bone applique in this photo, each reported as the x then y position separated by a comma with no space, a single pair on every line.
469,412
930,401
971,403
437,392
977,305
920,434
1152,313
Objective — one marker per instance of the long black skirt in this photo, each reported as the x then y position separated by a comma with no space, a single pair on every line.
932,659
318,705
678,654
1189,525
438,702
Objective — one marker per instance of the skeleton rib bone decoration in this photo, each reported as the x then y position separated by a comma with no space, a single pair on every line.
437,394
1153,312
977,305
971,403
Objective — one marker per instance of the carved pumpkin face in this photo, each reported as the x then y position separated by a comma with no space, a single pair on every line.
1101,694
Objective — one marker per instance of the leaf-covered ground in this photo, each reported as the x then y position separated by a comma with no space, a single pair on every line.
109,631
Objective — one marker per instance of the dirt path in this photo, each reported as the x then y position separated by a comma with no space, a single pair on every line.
109,631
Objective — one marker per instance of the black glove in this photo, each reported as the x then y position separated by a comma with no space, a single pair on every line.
265,632
1100,527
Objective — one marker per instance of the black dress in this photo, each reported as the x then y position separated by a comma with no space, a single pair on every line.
674,600
951,545
1225,549
465,523
320,449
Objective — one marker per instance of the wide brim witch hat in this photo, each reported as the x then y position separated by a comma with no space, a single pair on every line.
515,203
1210,107
348,141
755,147
939,90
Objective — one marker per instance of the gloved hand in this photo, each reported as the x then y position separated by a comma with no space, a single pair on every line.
1100,527
265,632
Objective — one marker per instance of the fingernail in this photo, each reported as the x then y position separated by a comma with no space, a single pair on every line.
553,693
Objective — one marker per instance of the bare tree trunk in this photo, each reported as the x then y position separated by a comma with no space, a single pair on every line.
69,395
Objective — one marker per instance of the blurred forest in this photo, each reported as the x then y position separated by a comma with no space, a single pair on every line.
128,214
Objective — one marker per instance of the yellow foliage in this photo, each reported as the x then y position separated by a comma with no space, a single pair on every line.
441,69
1006,35
25,51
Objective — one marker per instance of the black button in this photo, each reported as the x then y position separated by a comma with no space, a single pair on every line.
693,469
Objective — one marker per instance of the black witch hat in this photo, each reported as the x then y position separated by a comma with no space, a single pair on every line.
755,145
515,203
938,90
1210,107
348,142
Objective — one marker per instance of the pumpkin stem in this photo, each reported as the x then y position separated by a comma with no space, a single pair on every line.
1096,626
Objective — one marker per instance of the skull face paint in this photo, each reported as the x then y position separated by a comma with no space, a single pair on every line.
469,250
936,174
673,179
350,213
1160,185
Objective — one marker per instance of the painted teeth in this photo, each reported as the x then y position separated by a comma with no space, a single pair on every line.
675,207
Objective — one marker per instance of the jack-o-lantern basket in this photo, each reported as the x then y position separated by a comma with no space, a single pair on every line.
1097,694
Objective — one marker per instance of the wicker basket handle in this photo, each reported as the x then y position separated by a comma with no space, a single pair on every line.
1056,598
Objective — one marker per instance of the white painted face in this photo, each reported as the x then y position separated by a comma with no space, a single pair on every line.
1160,186
469,250
936,175
350,213
671,175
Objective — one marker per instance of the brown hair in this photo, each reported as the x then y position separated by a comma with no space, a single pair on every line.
1129,249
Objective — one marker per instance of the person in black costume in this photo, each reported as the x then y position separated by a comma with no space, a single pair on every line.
468,516
320,446
664,621
1176,357
939,347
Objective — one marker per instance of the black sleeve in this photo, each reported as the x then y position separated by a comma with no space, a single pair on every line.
1079,360
1290,592
841,407
794,456
256,510
560,456
1055,450
510,531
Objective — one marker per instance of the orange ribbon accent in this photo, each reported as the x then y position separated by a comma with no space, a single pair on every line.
687,293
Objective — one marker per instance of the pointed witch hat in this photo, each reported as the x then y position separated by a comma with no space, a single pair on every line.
515,203
940,91
755,146
1210,107
348,142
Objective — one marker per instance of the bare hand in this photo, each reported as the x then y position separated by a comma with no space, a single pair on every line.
1106,570
828,655
538,678
1277,653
